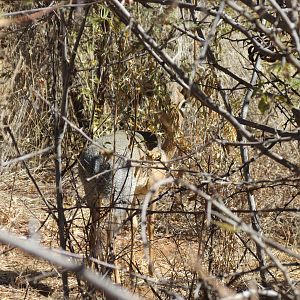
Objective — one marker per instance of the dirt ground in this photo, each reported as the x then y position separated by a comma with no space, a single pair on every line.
175,247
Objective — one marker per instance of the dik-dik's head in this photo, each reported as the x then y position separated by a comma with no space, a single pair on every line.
171,119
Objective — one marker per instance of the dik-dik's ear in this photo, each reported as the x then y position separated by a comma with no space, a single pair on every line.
174,90
178,97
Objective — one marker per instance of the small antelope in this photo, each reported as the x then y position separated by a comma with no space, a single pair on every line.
111,173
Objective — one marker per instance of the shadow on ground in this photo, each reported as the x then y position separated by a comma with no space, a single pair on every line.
10,278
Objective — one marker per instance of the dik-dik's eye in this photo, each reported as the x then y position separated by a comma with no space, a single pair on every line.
184,106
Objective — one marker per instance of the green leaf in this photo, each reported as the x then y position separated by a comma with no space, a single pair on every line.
264,104
226,226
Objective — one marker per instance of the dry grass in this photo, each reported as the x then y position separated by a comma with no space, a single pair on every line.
187,250
181,239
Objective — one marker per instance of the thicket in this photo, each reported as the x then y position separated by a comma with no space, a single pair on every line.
228,226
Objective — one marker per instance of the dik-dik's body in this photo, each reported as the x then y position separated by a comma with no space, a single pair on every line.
114,178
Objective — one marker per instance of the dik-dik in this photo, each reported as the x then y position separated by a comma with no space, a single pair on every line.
112,175
110,179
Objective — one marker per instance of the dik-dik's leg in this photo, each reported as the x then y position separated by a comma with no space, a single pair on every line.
112,230
149,222
133,232
131,217
96,236
149,208
102,243
150,225
115,226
